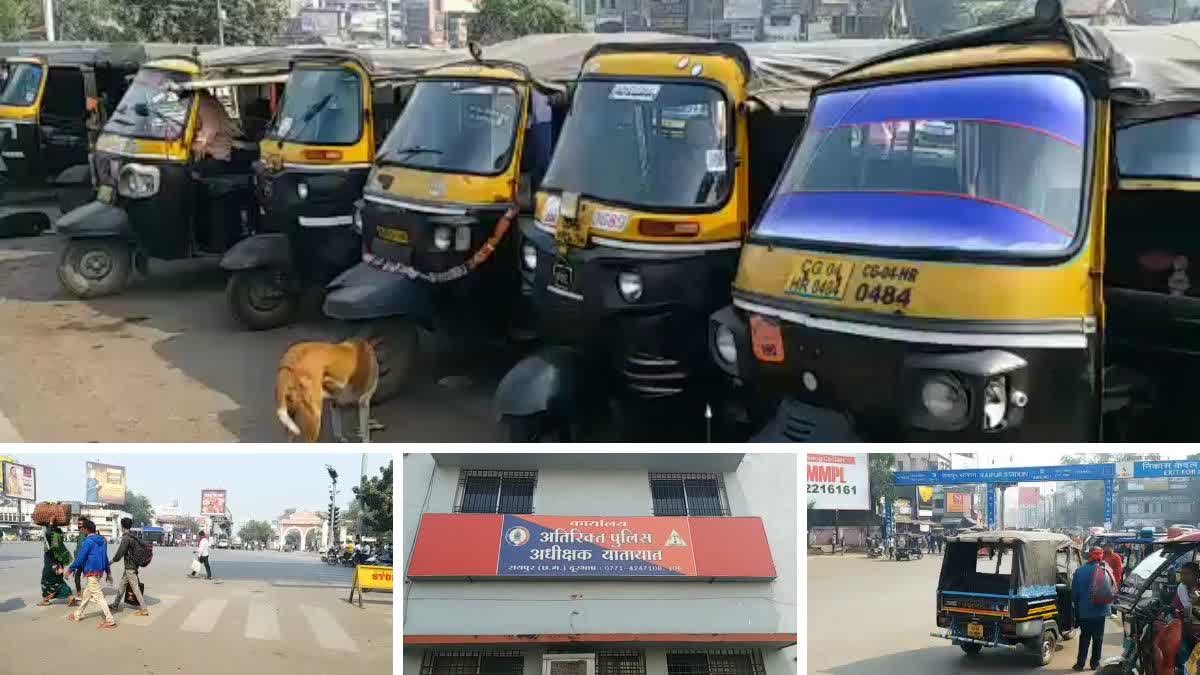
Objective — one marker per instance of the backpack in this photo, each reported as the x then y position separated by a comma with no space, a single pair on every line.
1102,585
140,552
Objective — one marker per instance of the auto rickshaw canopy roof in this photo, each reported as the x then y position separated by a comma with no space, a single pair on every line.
379,63
123,55
1035,564
1150,72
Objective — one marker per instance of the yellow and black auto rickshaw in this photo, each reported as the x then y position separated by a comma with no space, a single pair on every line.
151,200
980,237
54,100
667,153
338,106
440,210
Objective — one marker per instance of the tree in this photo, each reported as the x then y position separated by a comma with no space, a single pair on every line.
248,22
377,500
257,530
292,539
499,20
286,514
96,20
17,17
883,478
139,509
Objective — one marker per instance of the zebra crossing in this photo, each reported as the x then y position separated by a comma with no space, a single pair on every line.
237,614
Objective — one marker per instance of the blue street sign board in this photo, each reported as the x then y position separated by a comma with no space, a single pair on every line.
1176,469
889,520
991,508
1028,474
1108,504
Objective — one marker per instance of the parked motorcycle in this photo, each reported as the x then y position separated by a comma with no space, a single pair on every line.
875,551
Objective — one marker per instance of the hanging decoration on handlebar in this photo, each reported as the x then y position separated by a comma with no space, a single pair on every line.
481,256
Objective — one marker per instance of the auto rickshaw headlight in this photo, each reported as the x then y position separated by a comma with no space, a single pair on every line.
529,256
138,181
629,284
995,403
302,190
726,344
945,399
441,238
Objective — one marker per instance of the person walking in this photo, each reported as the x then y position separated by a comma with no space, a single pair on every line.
79,537
55,557
1093,590
93,561
130,581
1114,562
202,550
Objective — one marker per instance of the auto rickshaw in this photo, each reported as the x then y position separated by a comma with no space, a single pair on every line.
151,201
1019,596
338,106
955,251
1153,627
442,204
667,153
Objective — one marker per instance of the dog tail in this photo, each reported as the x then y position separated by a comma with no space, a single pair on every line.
285,418
283,404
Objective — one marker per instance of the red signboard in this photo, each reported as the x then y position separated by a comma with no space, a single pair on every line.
958,502
594,547
1028,496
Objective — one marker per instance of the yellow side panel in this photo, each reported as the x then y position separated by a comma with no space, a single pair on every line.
720,69
429,186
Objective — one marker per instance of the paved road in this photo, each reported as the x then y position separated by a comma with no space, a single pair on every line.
867,617
268,613
167,362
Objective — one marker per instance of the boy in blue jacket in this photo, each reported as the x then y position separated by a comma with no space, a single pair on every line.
1088,614
93,561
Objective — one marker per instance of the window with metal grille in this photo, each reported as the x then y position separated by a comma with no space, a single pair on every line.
495,491
611,661
506,662
688,494
715,662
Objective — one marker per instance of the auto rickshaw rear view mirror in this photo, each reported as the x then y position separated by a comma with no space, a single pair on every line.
569,206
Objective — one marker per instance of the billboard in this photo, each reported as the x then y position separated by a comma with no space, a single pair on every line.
841,482
743,10
1028,496
958,502
212,502
105,484
456,545
925,497
18,481
668,16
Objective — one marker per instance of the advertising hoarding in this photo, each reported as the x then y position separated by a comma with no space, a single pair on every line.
743,10
212,502
105,484
841,481
610,547
18,481
1029,496
958,502
668,16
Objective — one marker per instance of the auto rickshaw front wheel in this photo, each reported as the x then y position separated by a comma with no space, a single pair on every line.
1044,647
537,428
970,648
93,268
261,299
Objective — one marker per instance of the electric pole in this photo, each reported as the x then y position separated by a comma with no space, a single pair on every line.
333,533
362,484
48,14
387,30
220,24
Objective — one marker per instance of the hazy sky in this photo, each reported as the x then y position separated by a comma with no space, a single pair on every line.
260,486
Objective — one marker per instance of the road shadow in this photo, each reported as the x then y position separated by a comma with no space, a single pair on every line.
12,605
949,659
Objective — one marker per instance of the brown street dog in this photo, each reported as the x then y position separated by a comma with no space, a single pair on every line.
310,372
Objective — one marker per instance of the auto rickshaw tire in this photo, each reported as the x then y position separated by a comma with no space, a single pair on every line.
398,349
970,648
1111,669
100,279
240,293
536,428
1044,648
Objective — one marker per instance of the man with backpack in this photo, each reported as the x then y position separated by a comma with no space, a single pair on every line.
136,555
1092,591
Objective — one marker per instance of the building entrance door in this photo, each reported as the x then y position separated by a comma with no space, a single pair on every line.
569,664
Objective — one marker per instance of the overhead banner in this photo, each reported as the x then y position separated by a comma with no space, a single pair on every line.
105,484
1174,469
18,481
841,482
453,546
212,502
1028,474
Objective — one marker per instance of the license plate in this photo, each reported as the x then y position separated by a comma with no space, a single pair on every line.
571,232
819,278
563,275
104,194
392,234
975,630
767,339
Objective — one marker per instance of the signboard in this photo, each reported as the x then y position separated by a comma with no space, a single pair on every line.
18,481
958,502
904,508
105,484
841,482
991,508
1108,504
370,578
212,502
743,10
450,546
1177,469
924,497
1029,496
1032,474
668,16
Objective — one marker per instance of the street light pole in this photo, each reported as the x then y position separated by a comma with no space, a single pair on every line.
387,24
362,487
48,15
220,24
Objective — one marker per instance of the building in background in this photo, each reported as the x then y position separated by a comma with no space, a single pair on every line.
553,564
1155,502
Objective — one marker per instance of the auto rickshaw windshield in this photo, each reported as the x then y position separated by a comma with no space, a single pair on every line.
1167,148
21,88
320,105
645,144
149,109
987,164
456,126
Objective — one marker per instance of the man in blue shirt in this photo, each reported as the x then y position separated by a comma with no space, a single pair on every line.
1089,615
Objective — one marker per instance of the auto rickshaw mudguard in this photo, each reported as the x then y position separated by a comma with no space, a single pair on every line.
796,421
95,219
545,380
268,250
365,292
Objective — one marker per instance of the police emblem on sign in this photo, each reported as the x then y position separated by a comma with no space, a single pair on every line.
517,536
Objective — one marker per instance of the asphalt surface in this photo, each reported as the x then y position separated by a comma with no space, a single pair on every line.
867,617
266,613
167,362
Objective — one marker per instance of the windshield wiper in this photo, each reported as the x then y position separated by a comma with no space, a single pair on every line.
410,150
313,110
